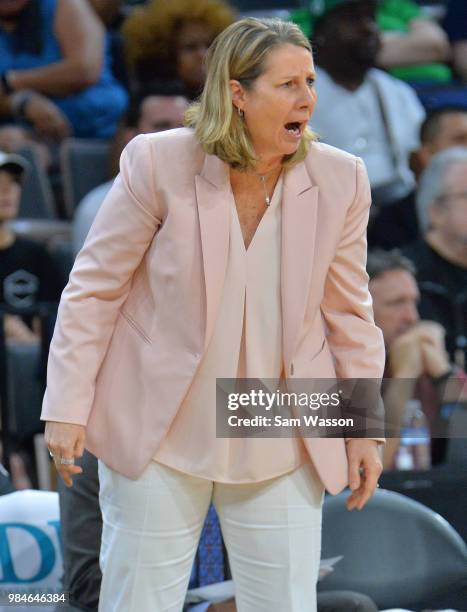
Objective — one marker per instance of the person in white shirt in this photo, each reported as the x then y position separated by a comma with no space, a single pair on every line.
360,108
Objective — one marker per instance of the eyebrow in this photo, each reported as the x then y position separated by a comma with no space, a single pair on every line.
294,76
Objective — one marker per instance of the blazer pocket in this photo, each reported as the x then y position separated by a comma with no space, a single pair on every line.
132,323
319,351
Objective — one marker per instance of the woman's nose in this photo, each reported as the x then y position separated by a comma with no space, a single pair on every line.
308,97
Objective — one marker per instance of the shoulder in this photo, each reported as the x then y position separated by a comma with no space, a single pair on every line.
169,149
324,160
341,177
389,83
327,153
173,141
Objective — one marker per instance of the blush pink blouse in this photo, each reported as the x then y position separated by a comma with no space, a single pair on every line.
246,343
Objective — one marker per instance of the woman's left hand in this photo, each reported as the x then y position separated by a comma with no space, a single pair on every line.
365,467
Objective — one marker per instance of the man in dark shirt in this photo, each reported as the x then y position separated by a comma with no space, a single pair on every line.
440,254
417,364
396,225
27,272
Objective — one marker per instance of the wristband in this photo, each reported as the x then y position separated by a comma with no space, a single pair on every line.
19,101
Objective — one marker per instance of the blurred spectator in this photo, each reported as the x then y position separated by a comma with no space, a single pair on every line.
440,254
55,73
27,276
361,109
151,113
397,225
167,41
414,47
416,360
455,24
27,272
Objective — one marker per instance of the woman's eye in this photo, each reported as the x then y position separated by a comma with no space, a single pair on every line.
310,82
288,84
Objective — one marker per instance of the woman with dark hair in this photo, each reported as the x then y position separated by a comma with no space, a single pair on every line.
55,72
167,41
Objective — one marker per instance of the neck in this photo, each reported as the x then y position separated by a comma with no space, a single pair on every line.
348,76
7,236
268,164
451,250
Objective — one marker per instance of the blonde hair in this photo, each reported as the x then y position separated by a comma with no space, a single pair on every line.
240,53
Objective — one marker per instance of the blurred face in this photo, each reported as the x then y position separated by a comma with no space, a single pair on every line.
10,193
10,9
160,113
353,31
449,218
193,40
395,297
452,132
280,102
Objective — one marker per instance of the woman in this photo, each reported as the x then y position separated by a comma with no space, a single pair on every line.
168,41
203,263
55,72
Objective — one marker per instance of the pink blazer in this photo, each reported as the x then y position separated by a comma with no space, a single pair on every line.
140,306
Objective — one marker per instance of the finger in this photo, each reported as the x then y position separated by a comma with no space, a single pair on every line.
353,499
354,473
369,486
67,472
357,499
79,448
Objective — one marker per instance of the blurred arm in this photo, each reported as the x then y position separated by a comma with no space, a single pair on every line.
81,38
425,42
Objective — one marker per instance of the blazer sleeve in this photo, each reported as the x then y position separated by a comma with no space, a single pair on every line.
99,284
355,342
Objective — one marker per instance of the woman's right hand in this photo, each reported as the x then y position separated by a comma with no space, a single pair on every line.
65,441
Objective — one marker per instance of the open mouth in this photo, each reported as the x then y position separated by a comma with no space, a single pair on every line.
294,128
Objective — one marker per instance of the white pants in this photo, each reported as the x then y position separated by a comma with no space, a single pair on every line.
151,529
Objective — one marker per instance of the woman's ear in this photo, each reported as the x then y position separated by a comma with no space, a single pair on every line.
238,94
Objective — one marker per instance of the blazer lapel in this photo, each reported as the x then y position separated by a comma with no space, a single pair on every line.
299,213
213,197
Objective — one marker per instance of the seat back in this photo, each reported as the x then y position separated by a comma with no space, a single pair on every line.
37,201
395,550
456,454
23,367
84,165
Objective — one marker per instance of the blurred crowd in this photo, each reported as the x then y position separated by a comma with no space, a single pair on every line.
80,78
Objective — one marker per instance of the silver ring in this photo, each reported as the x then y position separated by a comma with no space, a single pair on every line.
51,454
64,461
